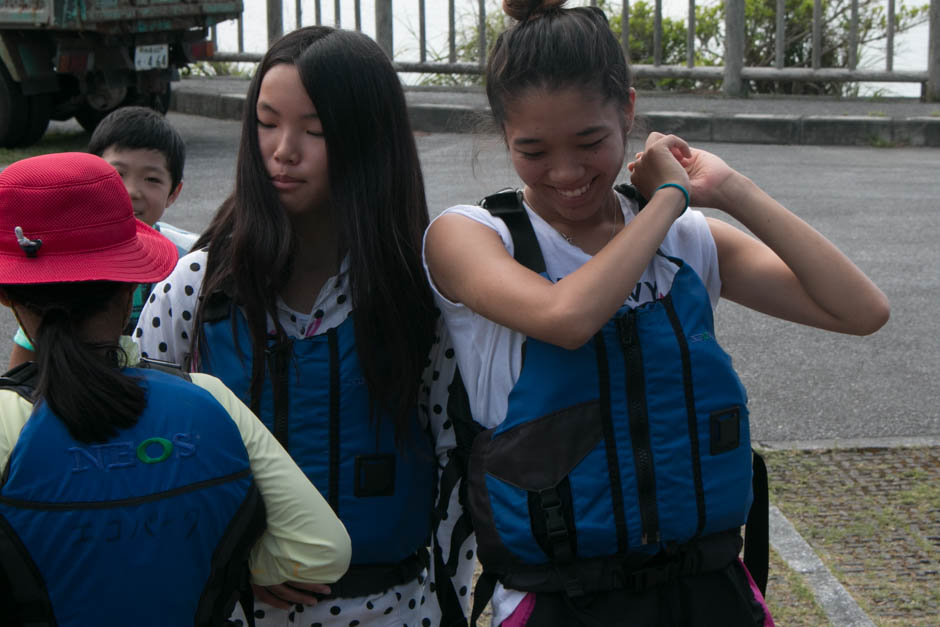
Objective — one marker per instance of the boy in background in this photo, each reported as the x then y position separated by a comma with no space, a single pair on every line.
149,154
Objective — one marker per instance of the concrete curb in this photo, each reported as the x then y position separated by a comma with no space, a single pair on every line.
818,130
834,599
753,128
848,443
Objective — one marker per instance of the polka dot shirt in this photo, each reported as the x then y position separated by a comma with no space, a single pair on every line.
163,332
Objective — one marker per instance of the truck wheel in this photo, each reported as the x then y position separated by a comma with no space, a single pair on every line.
89,117
158,101
37,119
13,110
161,102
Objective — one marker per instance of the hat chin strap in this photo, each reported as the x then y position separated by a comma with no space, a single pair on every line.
19,321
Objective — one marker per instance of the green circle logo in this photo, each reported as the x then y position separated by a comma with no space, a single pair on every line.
143,456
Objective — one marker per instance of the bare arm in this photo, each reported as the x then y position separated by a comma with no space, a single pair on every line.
790,271
469,265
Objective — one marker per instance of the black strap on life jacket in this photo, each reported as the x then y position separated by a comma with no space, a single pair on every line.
228,580
24,598
164,366
22,379
757,527
365,579
507,206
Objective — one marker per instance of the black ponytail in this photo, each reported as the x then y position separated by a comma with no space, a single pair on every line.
82,382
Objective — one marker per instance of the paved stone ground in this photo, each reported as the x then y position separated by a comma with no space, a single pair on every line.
873,517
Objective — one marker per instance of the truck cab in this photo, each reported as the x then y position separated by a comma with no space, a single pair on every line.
84,58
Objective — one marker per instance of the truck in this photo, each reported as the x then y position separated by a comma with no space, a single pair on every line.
84,58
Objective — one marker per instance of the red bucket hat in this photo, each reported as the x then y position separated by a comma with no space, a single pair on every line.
67,217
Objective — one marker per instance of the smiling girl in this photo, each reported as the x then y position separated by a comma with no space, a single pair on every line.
612,473
306,296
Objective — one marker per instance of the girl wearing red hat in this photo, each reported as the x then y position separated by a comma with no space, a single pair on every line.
130,494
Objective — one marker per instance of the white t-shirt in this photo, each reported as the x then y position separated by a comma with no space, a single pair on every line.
490,355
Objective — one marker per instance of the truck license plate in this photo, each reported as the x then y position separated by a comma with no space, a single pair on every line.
151,57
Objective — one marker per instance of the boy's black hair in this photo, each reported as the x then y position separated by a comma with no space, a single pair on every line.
554,48
136,128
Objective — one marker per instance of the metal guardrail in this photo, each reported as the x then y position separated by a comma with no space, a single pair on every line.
733,74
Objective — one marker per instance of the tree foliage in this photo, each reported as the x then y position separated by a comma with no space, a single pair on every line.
760,36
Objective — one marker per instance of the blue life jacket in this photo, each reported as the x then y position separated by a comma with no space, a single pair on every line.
152,527
316,402
630,447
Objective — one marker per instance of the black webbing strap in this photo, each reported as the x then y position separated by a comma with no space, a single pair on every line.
164,366
610,444
22,379
365,579
451,609
333,494
625,189
507,206
482,593
24,599
278,358
757,528
555,526
228,579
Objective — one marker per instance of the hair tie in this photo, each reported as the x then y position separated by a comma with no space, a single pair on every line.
684,191
29,246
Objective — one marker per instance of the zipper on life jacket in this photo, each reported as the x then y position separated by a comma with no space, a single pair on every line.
278,357
639,425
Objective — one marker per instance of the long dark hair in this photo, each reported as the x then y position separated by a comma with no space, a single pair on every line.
377,203
82,382
553,47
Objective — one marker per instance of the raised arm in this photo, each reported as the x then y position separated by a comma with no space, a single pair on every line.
790,271
469,265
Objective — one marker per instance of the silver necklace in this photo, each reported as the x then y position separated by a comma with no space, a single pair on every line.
613,228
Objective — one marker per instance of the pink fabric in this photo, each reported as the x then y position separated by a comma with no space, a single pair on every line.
768,619
520,615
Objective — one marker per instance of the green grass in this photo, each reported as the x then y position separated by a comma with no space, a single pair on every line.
870,516
790,600
52,141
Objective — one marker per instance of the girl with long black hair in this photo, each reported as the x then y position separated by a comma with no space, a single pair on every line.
306,295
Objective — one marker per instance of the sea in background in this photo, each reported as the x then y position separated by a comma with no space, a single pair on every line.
910,48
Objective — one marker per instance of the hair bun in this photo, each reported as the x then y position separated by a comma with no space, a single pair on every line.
523,9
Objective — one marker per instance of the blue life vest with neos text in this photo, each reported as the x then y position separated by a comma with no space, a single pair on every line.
633,445
152,527
316,402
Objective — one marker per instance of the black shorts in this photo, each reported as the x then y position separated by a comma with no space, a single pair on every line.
719,598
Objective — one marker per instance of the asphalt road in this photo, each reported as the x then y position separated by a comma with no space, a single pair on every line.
880,205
